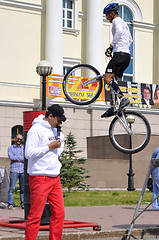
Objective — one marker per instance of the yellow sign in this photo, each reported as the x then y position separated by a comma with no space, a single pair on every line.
55,89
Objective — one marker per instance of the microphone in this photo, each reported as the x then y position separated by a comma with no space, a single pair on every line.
58,131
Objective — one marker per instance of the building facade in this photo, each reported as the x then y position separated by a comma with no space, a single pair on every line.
66,33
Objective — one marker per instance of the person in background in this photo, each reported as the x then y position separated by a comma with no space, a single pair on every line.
155,178
16,156
121,54
146,96
42,149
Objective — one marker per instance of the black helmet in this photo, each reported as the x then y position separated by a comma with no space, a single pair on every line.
111,7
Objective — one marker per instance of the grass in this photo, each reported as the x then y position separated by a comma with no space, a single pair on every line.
100,198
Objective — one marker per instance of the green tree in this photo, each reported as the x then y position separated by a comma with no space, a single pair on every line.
72,174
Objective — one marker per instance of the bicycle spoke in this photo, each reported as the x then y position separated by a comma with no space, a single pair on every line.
121,137
82,84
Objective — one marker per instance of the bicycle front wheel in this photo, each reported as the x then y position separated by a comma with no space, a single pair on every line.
73,89
130,143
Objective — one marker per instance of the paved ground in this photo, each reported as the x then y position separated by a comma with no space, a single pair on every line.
114,221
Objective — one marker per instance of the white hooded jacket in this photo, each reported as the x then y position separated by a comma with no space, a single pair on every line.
41,161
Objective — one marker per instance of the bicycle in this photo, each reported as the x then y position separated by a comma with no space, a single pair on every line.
129,131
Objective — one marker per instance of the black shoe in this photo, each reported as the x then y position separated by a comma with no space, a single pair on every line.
124,102
110,112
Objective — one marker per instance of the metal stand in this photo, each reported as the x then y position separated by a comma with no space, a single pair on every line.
153,163
21,224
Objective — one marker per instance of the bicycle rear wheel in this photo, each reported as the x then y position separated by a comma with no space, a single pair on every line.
75,92
139,138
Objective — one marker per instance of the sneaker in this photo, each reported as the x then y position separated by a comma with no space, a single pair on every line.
10,207
124,102
110,112
22,206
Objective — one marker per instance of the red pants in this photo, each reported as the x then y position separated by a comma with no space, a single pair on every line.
41,190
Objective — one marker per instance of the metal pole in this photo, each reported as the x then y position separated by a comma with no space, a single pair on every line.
44,93
139,202
130,174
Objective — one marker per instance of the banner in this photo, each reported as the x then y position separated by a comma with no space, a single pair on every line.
130,90
54,86
138,93
55,89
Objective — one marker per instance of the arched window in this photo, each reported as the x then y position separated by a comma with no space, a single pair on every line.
126,15
18,129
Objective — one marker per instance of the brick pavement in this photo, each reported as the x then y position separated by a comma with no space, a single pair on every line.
114,221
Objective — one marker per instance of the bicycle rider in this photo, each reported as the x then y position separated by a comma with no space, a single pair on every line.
121,57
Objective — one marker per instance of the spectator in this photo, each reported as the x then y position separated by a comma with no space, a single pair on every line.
155,177
16,156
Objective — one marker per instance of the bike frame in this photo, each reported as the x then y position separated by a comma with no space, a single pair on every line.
123,121
92,80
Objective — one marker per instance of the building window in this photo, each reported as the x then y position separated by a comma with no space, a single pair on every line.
68,13
65,70
18,129
126,15
68,63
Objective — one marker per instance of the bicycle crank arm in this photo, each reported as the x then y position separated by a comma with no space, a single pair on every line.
91,80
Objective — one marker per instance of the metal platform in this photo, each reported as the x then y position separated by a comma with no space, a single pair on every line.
138,211
21,224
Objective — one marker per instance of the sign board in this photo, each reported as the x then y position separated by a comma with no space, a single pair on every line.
55,89
138,93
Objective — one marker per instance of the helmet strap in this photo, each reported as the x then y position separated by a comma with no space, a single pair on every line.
112,17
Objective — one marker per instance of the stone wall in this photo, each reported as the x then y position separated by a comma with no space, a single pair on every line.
108,167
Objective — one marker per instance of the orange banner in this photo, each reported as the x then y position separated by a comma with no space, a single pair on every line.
55,89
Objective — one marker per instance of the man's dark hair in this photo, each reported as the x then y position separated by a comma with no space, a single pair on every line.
147,89
47,114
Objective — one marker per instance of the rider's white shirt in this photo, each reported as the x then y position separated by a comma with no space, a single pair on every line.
121,36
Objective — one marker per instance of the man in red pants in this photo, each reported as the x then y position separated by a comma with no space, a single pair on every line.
42,150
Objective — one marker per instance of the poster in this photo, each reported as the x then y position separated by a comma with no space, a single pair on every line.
55,88
138,93
130,90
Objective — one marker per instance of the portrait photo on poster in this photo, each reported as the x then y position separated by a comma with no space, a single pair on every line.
147,95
